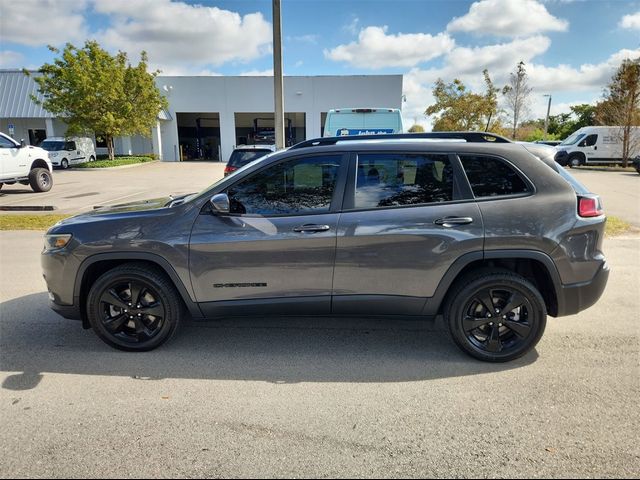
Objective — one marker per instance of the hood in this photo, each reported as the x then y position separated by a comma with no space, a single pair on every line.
137,206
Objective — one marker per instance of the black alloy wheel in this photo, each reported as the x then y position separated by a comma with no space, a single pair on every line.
497,316
134,308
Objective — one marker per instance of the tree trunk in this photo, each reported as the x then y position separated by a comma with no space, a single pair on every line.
109,139
626,139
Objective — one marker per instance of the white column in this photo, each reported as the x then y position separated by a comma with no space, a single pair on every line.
227,134
312,125
126,146
48,125
156,140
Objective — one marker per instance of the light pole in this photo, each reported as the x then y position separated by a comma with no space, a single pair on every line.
277,76
546,119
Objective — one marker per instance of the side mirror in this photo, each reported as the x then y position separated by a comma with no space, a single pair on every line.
220,203
22,143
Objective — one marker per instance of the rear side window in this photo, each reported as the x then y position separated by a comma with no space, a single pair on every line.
491,177
388,180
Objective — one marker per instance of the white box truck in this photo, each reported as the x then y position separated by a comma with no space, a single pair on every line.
596,145
363,121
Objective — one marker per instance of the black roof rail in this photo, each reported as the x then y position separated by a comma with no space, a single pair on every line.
472,137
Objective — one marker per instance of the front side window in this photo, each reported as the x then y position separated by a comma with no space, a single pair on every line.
6,143
389,180
298,186
590,141
70,146
490,176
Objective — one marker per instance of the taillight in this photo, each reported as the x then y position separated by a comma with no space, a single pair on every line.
229,169
589,207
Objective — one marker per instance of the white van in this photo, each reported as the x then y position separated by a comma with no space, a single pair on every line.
64,152
591,145
362,121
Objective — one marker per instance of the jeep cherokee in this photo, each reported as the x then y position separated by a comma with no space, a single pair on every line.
468,225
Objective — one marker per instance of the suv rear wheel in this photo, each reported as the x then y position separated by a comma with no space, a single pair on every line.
134,308
495,315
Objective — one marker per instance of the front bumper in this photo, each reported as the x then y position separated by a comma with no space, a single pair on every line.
562,158
579,296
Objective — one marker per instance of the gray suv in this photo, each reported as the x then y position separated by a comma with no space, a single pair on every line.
467,225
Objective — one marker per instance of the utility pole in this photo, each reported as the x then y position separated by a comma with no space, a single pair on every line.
546,119
277,76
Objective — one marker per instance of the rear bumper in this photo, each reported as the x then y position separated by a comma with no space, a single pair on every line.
579,296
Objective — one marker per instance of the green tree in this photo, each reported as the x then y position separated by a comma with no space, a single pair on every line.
517,95
93,91
458,109
621,106
416,129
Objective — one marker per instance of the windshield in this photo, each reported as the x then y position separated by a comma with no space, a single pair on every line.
573,139
52,146
242,157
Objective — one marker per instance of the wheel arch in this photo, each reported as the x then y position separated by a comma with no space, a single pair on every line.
39,163
96,265
534,265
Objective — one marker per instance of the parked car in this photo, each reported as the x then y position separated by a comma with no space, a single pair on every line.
24,164
478,230
636,163
244,154
595,145
363,121
65,152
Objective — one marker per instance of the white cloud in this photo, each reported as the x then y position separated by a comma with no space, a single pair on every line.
177,35
352,26
376,49
586,77
258,73
631,21
9,58
507,18
43,22
311,39
585,81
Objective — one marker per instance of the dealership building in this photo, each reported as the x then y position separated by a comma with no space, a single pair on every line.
209,115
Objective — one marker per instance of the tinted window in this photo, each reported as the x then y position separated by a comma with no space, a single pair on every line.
70,146
386,180
296,186
240,158
52,145
590,141
490,176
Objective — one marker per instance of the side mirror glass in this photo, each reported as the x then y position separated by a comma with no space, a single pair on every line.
220,203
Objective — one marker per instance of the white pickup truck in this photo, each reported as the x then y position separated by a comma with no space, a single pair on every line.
24,164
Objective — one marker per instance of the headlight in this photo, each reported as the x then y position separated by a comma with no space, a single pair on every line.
55,242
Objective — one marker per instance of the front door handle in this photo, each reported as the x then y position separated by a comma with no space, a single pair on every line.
453,221
312,228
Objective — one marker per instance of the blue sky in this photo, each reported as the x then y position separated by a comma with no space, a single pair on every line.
571,48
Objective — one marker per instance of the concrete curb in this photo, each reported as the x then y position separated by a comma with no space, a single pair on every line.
119,167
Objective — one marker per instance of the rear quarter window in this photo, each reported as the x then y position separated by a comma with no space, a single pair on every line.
492,177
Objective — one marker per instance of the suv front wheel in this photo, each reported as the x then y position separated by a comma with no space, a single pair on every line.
134,307
495,315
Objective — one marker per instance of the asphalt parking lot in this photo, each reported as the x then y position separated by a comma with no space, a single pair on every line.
328,397
78,190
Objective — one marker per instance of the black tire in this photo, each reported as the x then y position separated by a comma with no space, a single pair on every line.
64,164
575,160
153,317
498,336
92,158
40,180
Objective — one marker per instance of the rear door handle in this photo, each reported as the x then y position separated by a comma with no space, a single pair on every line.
453,221
311,228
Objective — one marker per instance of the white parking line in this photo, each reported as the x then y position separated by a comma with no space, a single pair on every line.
111,200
